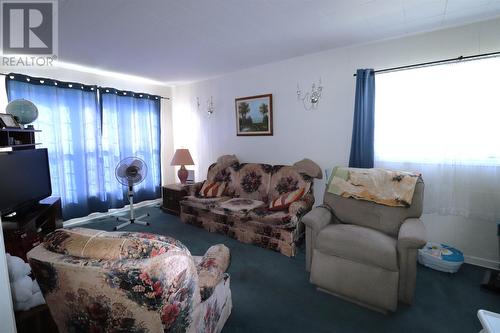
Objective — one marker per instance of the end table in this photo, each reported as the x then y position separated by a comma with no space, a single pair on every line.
172,195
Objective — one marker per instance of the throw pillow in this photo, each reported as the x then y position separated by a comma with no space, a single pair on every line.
286,199
212,189
241,204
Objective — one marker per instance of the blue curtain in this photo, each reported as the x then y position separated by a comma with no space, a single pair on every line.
131,127
363,129
70,121
87,137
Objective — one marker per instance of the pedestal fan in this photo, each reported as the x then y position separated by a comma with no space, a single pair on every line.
129,172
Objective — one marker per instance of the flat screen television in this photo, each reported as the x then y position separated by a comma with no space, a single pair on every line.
24,179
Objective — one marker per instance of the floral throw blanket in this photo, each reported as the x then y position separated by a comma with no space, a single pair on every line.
386,187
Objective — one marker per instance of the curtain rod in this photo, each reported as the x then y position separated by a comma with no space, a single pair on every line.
98,87
437,62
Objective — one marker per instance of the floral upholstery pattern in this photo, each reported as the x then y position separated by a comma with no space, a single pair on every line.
211,268
240,205
286,179
205,203
103,245
249,223
99,314
221,173
96,281
252,181
287,184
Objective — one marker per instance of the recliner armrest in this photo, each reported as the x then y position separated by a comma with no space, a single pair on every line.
412,234
318,218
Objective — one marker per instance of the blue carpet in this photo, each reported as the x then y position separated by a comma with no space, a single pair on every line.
272,293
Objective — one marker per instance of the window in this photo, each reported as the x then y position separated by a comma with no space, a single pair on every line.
443,121
441,114
82,157
131,127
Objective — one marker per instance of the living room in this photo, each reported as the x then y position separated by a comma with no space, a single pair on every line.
335,84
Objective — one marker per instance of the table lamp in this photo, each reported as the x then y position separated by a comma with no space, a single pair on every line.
182,157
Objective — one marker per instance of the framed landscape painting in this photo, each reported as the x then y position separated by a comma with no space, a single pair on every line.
254,115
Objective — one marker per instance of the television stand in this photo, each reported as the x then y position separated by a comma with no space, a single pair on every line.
25,230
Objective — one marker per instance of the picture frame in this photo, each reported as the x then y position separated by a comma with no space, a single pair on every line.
8,121
254,115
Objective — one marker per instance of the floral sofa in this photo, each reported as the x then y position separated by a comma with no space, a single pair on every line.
97,281
242,211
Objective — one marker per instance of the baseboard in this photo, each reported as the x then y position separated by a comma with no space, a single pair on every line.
487,263
82,220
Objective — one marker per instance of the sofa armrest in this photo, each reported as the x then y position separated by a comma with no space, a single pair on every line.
302,206
318,218
211,269
412,234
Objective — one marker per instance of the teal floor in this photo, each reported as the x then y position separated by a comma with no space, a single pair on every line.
272,293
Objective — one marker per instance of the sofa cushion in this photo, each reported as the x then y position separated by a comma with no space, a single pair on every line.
212,189
286,179
202,203
281,217
360,244
251,181
240,204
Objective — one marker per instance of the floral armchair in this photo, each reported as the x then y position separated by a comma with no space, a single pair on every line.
243,213
97,281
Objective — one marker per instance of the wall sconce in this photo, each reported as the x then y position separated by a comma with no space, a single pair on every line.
310,99
210,106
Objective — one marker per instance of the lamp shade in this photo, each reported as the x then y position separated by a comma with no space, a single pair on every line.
182,157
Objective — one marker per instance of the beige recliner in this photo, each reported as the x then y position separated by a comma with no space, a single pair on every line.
363,251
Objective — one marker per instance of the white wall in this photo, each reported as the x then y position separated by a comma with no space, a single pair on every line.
324,135
64,74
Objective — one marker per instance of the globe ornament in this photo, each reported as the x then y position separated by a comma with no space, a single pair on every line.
23,110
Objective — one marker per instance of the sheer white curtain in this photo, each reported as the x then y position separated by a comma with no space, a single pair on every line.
444,121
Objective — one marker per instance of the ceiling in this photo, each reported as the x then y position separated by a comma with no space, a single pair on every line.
187,40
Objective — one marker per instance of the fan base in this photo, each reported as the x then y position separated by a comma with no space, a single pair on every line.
126,221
